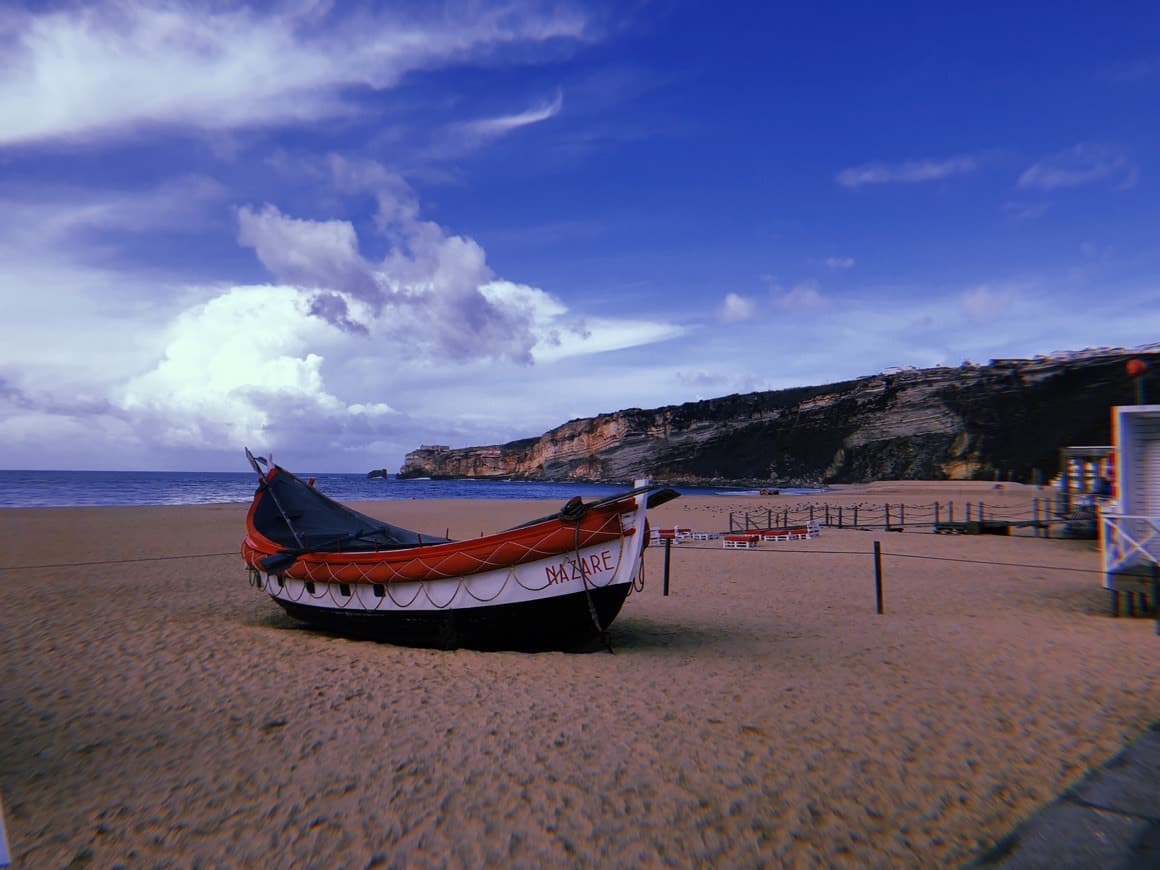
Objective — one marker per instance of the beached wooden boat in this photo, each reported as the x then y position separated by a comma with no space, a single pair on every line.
552,583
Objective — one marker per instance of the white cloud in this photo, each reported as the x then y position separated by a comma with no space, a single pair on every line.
435,289
806,296
1082,164
231,366
57,218
106,68
483,129
839,263
907,172
346,352
986,303
320,255
736,307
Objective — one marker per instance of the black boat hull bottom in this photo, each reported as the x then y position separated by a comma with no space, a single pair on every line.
559,623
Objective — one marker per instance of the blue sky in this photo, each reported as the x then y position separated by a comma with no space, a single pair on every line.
338,231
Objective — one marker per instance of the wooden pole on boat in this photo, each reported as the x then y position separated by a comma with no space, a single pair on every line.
878,575
936,516
855,515
668,550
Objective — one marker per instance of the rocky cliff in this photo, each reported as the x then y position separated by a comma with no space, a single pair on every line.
1000,420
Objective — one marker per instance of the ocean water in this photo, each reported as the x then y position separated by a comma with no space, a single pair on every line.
81,488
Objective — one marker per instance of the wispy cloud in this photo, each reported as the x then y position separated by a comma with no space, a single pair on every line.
838,263
907,172
49,215
484,129
1082,164
105,69
1017,210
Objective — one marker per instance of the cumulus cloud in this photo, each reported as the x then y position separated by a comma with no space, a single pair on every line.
244,367
219,68
434,288
907,172
735,307
321,350
1082,164
307,253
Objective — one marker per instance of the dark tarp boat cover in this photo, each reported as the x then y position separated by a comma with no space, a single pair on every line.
297,516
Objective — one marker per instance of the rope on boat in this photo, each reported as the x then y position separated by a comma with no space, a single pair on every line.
573,512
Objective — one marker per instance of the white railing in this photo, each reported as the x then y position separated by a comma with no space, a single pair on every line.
1128,541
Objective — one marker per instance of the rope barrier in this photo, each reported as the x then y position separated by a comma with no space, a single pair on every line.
114,561
789,552
782,552
1000,564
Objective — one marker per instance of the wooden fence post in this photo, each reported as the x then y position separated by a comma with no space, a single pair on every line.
668,550
878,575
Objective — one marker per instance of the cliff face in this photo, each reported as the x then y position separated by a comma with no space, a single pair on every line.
1005,418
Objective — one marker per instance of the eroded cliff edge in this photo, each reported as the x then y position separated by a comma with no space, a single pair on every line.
996,421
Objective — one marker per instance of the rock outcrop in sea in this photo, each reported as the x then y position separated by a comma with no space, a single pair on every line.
1000,421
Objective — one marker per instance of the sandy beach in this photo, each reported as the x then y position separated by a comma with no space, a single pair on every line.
162,710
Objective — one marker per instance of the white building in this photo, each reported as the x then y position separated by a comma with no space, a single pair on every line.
1130,526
